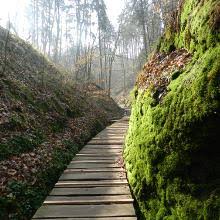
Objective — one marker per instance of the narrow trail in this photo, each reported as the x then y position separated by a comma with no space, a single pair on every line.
94,185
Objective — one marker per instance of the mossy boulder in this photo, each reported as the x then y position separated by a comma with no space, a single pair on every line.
172,148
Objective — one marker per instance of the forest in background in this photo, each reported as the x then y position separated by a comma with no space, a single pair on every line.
79,36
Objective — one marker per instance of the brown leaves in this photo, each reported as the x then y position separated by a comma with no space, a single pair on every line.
26,166
11,172
158,71
4,113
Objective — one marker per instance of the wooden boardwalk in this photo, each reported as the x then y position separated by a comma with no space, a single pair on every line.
94,185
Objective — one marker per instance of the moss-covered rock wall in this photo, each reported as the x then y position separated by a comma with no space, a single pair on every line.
172,148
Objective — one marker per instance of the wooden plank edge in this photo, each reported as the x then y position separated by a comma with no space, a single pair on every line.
98,154
103,217
89,202
105,143
93,171
75,185
93,161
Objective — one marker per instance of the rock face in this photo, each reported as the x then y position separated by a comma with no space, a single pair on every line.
173,148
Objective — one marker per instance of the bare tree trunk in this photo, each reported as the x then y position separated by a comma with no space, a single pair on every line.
124,77
56,49
142,17
111,62
100,59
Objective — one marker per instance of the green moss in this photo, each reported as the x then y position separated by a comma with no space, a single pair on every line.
198,31
172,147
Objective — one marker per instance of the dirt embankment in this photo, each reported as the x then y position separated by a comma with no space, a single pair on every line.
45,117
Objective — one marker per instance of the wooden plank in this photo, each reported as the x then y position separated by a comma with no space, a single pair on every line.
126,118
93,165
104,137
103,146
91,202
114,120
111,137
88,211
105,142
94,218
100,151
102,190
115,130
105,134
120,123
109,140
113,133
97,158
99,148
86,184
98,155
94,170
93,176
123,128
119,126
88,200
123,125
94,161
121,131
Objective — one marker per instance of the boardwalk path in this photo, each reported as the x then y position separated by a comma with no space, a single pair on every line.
94,185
